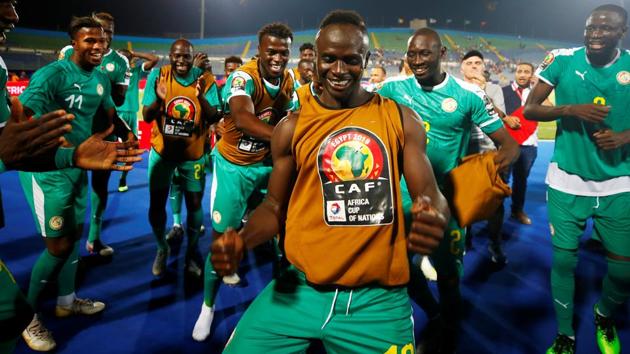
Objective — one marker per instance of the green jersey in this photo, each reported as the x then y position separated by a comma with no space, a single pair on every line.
576,81
4,94
64,85
114,65
212,95
449,111
132,103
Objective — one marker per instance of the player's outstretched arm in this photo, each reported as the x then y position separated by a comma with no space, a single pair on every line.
430,210
96,153
535,110
242,111
150,60
265,222
30,144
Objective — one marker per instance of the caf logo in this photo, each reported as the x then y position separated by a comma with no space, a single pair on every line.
623,77
351,154
181,107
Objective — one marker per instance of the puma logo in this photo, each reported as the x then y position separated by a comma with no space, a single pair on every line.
77,86
566,306
580,74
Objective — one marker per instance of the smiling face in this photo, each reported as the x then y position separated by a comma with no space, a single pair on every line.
273,56
181,57
603,31
424,55
89,45
8,18
342,50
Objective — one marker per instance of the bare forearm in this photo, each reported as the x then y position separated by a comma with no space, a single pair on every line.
540,113
262,226
152,112
209,112
253,127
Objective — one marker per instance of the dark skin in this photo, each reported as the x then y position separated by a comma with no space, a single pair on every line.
118,91
150,60
273,58
306,70
424,55
602,33
181,60
343,52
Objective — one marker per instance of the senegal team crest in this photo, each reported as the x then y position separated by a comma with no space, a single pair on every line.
623,77
181,107
99,89
356,178
449,105
110,67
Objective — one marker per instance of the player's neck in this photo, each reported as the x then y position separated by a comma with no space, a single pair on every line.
603,59
434,80
357,98
83,66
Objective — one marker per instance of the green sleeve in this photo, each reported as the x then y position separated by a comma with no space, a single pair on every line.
238,84
107,102
40,92
551,68
483,113
212,95
65,53
386,91
122,72
149,89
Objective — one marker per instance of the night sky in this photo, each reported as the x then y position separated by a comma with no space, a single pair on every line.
553,19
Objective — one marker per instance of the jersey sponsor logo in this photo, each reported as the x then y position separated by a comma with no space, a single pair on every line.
449,105
56,223
547,61
99,89
623,77
581,75
354,170
253,145
110,67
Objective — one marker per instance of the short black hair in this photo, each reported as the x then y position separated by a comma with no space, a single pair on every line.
275,29
472,53
306,46
344,17
614,8
233,59
104,16
81,22
526,63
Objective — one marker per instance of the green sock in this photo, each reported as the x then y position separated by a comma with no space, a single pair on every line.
419,292
563,288
175,198
96,217
195,220
68,274
616,288
211,283
46,268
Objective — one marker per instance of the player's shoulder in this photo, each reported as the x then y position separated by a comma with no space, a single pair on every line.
119,58
397,81
53,69
465,88
562,54
65,52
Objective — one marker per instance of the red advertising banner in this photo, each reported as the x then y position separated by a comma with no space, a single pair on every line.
16,88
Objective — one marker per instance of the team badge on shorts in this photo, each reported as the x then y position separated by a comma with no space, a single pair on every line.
56,223
449,105
99,89
623,77
216,217
355,174
552,230
110,67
